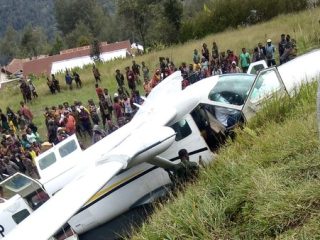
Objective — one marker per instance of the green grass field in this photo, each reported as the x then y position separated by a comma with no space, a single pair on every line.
265,184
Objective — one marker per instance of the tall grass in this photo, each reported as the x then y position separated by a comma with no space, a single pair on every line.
264,185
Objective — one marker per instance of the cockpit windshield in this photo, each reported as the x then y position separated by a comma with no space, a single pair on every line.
18,184
232,89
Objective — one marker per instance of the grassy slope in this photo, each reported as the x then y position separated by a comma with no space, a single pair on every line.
265,185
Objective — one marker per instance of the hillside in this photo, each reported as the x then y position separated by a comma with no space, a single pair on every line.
20,13
264,185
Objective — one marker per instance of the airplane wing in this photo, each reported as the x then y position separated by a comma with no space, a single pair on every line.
47,220
143,143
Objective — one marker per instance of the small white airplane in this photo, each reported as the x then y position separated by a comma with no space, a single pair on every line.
125,169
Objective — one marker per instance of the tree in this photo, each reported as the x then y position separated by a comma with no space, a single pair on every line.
70,13
9,46
137,16
57,45
80,36
33,42
95,50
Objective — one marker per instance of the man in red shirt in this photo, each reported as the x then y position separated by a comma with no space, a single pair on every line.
70,123
99,91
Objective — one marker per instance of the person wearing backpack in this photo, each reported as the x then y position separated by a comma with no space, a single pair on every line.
270,50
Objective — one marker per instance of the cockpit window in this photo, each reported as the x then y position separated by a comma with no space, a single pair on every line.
232,89
182,129
47,161
67,148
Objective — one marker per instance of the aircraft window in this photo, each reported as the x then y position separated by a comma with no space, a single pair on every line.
266,84
67,148
47,161
182,129
20,216
256,69
232,89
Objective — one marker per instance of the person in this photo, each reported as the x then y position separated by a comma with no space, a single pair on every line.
127,107
30,168
25,91
185,170
93,112
226,116
111,126
84,118
109,103
205,52
215,51
55,83
98,134
68,79
25,112
234,68
10,166
196,57
270,50
136,71
52,132
4,121
33,89
282,46
96,73
130,79
145,71
290,51
120,81
51,86
99,90
262,48
146,87
12,117
61,134
155,79
244,60
118,111
70,124
257,55
77,79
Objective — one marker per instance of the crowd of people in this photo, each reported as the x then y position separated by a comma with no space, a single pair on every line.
20,142
99,117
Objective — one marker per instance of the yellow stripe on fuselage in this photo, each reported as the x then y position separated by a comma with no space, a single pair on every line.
108,189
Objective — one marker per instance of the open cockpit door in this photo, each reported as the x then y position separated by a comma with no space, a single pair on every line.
255,67
267,83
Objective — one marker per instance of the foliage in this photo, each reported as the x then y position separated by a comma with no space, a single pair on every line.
9,45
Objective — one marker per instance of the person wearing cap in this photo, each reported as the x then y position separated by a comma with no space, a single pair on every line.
244,60
270,50
234,68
